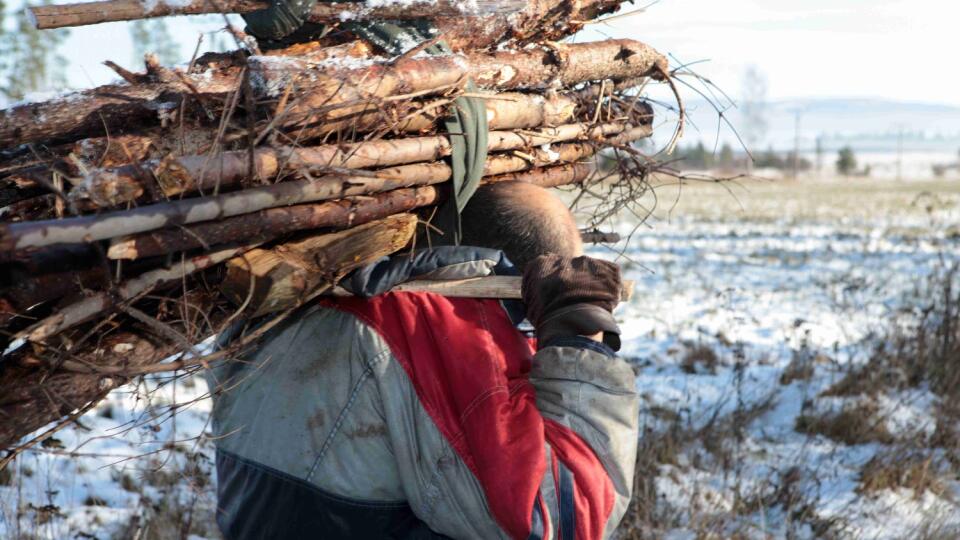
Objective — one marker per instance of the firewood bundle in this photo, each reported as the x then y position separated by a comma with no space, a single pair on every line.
142,217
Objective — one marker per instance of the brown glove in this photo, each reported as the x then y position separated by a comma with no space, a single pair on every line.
567,297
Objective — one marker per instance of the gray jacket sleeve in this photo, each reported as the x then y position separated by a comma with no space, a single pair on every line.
593,394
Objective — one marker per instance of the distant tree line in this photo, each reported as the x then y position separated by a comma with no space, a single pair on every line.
32,60
699,157
29,59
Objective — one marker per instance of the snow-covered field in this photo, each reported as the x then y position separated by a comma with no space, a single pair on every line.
747,309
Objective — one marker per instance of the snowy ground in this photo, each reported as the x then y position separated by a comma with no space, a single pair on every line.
730,299
747,308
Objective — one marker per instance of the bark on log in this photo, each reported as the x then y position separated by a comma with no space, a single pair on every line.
174,175
82,14
91,228
174,213
331,102
538,20
271,280
328,99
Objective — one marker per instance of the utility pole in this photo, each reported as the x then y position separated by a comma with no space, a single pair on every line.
900,153
796,145
819,152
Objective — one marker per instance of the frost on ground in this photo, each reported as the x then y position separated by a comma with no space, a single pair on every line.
775,339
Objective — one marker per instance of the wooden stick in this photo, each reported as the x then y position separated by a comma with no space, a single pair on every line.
501,287
86,13
112,186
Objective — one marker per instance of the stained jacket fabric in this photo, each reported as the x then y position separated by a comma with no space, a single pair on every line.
412,415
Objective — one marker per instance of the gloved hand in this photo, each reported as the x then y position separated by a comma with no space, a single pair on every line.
282,24
568,297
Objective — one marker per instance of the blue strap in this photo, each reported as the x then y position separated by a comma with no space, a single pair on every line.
568,507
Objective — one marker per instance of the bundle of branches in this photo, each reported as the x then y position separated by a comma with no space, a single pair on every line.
141,218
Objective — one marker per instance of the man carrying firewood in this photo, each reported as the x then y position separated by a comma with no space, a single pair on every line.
415,415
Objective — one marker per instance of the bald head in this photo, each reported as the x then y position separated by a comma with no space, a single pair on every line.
522,220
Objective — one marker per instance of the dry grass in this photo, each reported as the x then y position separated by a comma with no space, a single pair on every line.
918,470
811,199
172,501
712,445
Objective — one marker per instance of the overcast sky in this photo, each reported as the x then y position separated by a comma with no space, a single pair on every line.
897,49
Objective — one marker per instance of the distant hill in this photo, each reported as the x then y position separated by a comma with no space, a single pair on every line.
868,125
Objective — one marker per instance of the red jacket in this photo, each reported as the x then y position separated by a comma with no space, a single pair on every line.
415,415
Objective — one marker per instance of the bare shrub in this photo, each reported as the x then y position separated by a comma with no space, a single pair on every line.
700,359
855,423
799,369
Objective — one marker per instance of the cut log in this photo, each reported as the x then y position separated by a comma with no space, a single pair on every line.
561,175
329,99
91,228
175,175
283,275
82,14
